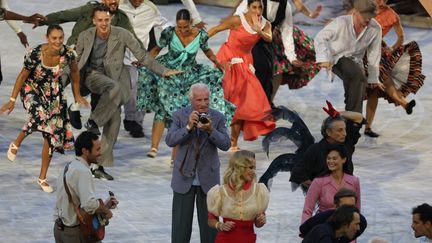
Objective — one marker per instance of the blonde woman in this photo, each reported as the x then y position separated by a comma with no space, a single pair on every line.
240,201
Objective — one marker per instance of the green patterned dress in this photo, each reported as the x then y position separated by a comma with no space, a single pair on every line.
166,95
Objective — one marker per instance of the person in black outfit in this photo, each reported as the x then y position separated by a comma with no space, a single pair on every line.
344,222
338,128
342,197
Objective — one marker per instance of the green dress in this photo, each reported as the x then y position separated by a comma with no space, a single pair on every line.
166,95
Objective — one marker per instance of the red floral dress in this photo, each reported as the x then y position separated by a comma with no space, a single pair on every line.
43,98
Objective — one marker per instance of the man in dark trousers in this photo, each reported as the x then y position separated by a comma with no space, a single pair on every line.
101,51
197,132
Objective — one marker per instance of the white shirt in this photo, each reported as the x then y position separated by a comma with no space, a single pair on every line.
190,5
338,39
80,183
12,23
286,27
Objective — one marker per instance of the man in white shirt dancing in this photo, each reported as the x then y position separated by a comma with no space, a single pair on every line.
341,46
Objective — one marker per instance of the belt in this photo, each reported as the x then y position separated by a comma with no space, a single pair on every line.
60,223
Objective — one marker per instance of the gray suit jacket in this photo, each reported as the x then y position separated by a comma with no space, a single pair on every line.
208,164
118,40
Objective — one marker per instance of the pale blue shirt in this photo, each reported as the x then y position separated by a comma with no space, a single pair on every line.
338,39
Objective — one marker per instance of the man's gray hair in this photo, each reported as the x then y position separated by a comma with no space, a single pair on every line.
196,86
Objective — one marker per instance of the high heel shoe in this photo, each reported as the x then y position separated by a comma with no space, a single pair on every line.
12,156
409,107
44,185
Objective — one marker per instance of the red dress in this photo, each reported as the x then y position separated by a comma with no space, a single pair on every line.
241,86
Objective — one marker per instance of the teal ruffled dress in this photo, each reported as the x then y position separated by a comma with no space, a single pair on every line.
166,95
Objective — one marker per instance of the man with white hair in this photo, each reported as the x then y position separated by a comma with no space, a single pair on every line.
198,132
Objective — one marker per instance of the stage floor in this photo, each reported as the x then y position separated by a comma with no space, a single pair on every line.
394,170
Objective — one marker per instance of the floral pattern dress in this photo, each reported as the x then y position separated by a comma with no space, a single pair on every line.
166,95
43,98
295,77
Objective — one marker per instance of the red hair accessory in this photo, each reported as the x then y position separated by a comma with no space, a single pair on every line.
331,110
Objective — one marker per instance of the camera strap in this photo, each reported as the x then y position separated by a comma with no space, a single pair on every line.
197,154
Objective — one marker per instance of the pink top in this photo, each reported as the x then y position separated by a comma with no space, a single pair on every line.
322,191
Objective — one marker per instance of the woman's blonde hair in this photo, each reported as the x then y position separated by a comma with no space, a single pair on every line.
237,165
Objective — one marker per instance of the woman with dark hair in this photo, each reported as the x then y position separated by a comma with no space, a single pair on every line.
336,176
240,201
241,86
400,68
41,89
166,95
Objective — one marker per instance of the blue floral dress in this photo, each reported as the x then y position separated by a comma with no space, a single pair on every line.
166,95
43,98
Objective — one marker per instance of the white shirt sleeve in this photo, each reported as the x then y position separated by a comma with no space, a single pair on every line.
287,34
190,5
374,58
241,8
322,42
12,23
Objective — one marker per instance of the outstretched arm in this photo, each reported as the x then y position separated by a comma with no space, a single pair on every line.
34,19
353,116
229,23
302,8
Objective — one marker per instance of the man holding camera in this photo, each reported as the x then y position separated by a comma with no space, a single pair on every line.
198,132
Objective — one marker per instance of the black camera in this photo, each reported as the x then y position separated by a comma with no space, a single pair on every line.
203,117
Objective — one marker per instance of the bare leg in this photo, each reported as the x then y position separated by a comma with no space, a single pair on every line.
276,81
157,131
371,106
18,141
394,94
46,159
235,133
